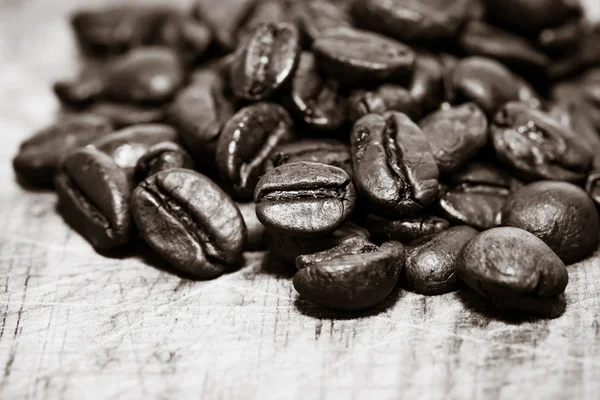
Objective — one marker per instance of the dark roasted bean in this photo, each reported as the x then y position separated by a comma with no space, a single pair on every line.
161,157
224,18
455,135
352,276
304,198
255,229
190,222
394,168
387,97
316,16
94,195
265,62
592,187
39,155
316,98
538,147
585,54
559,213
264,12
514,269
404,230
430,267
427,86
246,142
583,93
359,58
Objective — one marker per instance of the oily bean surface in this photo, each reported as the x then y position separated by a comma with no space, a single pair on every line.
404,230
387,97
161,157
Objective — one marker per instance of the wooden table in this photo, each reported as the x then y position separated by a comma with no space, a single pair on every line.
76,325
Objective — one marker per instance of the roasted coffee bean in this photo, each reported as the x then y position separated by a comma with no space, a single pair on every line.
127,145
39,155
404,230
144,75
585,54
387,97
355,275
359,58
255,229
123,114
199,112
561,38
324,151
161,157
115,30
414,21
489,84
481,39
316,98
592,187
246,142
265,62
537,147
190,222
427,86
430,267
94,193
455,135
583,93
514,269
288,247
316,16
264,12
224,17
530,17
394,168
559,213
304,198
477,194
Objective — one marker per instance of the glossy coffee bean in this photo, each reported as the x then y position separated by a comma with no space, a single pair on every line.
394,168
264,12
161,157
224,17
431,267
316,16
256,230
324,151
427,86
358,58
316,99
199,112
266,61
592,187
514,269
122,115
405,230
190,222
39,156
536,146
477,194
246,142
304,198
559,213
489,84
287,247
455,135
94,193
145,75
481,39
355,275
387,97
413,21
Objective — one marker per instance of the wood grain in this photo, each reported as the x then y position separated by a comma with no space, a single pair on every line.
76,325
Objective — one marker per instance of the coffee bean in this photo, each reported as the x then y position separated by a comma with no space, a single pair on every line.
264,12
161,157
316,98
592,187
255,229
514,269
224,17
585,54
455,135
427,86
477,194
324,151
39,155
316,16
356,275
190,222
122,115
394,168
94,195
582,93
266,62
246,142
304,198
430,267
536,146
387,97
145,75
359,58
559,213
405,230
414,21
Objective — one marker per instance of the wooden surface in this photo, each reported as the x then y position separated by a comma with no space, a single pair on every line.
76,325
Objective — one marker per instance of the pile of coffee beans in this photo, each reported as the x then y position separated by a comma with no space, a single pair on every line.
432,145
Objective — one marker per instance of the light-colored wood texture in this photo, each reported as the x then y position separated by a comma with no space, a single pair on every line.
76,325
